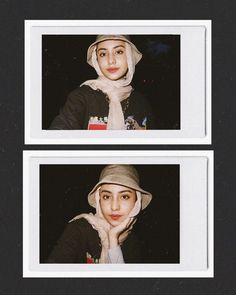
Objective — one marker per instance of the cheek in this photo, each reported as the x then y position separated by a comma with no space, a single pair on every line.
104,207
100,63
128,207
123,62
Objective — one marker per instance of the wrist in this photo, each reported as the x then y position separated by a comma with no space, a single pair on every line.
113,241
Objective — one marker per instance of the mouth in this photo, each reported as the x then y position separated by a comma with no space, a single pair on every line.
115,216
112,70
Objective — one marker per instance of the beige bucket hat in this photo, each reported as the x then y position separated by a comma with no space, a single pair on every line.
125,175
126,38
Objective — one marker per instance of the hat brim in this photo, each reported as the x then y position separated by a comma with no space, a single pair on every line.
136,52
145,200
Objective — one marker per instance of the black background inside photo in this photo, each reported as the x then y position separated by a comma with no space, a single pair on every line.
157,75
63,195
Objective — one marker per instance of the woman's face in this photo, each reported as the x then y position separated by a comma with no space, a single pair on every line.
116,202
112,60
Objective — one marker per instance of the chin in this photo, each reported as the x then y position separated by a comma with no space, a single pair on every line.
114,77
112,222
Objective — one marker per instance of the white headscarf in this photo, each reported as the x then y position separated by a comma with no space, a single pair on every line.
99,223
134,212
117,91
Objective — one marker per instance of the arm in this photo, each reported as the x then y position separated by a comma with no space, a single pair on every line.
115,255
110,237
72,114
71,246
116,236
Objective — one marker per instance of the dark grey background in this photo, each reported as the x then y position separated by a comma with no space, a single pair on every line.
12,15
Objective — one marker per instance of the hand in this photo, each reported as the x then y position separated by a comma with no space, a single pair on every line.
120,232
98,223
135,125
125,233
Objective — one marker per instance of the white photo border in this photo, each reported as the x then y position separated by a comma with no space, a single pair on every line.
196,214
195,81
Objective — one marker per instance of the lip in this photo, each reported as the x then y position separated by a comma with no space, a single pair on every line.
112,70
115,216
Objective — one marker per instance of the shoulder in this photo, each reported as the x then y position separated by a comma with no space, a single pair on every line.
140,102
83,91
138,96
73,244
81,225
77,229
84,95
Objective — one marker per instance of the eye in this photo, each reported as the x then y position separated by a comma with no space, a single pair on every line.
119,51
105,197
125,197
102,54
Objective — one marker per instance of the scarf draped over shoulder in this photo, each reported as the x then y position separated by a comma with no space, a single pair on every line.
116,91
99,223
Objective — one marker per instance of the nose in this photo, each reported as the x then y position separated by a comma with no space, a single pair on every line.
111,59
115,204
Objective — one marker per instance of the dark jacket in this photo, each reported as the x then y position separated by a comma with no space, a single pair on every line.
79,239
86,106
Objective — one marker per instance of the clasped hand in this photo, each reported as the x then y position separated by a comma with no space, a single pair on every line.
110,236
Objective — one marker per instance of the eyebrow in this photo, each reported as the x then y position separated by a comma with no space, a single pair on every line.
112,48
124,191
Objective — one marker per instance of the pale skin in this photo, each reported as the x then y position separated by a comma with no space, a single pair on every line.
116,202
114,224
112,61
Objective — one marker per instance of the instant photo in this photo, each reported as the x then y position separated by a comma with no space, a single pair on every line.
118,82
88,214
156,77
64,193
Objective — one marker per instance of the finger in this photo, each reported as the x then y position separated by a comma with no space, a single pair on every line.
131,221
131,224
134,221
120,227
125,224
77,217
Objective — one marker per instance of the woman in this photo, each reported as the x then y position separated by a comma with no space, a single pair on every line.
106,237
108,102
